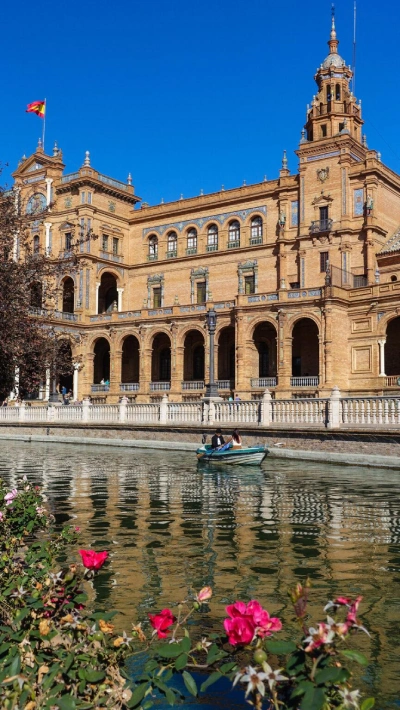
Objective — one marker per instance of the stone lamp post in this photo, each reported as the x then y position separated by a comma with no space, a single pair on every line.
211,320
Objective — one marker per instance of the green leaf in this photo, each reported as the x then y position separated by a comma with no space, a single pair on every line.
227,667
190,683
314,699
185,644
368,703
355,656
215,654
169,650
137,695
210,680
148,704
93,676
170,696
181,661
80,598
302,688
328,675
281,647
66,702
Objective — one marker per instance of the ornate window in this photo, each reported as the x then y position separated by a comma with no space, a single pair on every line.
212,238
199,285
234,234
323,261
191,241
105,242
155,291
115,246
256,228
172,245
36,244
68,241
248,277
153,248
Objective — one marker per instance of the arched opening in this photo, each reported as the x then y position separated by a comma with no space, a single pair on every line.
234,233
36,295
226,354
305,349
108,294
130,360
101,362
337,92
172,244
193,358
392,348
161,358
191,241
256,227
264,338
212,237
393,278
64,366
153,248
68,295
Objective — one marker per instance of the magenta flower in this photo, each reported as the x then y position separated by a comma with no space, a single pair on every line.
161,622
246,617
1,515
92,559
240,630
9,497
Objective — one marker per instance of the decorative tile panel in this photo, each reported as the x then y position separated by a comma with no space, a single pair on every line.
312,158
201,221
294,213
358,202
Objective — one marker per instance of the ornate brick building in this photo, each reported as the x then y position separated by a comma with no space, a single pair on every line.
303,271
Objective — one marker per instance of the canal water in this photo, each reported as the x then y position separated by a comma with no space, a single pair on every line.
249,532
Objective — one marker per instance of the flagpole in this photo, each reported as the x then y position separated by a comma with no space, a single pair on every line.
44,122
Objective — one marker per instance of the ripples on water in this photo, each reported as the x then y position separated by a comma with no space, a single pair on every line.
248,532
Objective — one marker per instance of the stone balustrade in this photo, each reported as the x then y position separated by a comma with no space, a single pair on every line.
333,412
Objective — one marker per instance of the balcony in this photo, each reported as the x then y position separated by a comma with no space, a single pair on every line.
171,254
193,385
321,225
129,386
234,244
225,384
100,388
63,315
160,386
304,381
255,240
263,382
152,257
212,247
392,381
191,250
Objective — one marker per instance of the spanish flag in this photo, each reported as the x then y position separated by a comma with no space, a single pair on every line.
38,107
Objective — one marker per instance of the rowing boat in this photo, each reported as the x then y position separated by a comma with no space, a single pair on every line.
242,457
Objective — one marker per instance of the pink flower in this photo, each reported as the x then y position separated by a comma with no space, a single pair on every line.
77,529
240,630
92,559
9,497
343,601
1,515
161,622
319,637
204,594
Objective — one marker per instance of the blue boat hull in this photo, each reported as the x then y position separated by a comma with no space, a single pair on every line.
242,457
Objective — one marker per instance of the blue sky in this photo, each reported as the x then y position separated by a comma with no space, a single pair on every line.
187,95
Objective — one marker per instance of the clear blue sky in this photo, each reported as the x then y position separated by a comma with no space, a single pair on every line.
187,95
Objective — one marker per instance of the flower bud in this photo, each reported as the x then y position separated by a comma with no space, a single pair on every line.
204,594
196,605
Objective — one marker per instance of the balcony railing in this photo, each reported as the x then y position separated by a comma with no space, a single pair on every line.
193,385
129,386
263,382
392,381
160,386
255,240
321,225
65,316
191,250
225,384
304,381
212,247
100,388
234,244
152,257
171,254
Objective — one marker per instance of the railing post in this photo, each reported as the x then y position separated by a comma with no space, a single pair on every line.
51,413
211,412
122,409
266,408
164,409
86,404
204,411
21,412
333,421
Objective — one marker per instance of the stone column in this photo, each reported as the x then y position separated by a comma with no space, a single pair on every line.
334,409
241,375
122,409
381,344
164,410
97,295
266,408
48,182
120,292
75,386
117,368
47,226
47,385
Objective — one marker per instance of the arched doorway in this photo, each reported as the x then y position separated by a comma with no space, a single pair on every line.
161,358
392,348
226,355
264,363
130,360
193,358
101,362
305,349
64,366
68,294
108,294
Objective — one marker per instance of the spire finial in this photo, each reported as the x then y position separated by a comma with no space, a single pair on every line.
303,136
333,28
40,145
284,161
129,179
86,162
55,149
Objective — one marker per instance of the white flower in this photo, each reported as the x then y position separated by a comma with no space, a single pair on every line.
350,698
253,679
19,593
272,676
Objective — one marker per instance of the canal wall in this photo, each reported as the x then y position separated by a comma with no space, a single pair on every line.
354,447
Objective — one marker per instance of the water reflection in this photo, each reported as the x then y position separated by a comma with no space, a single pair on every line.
247,532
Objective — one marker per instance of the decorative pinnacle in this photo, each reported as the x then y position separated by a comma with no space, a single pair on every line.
39,145
181,197
55,149
265,179
162,201
87,159
201,191
364,141
303,136
333,28
244,183
284,161
129,179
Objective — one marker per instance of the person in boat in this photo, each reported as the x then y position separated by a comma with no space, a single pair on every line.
236,440
217,439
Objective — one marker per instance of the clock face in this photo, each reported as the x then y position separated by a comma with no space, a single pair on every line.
37,203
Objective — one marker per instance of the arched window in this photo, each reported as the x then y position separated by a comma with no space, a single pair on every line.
68,295
153,248
256,230
191,241
172,245
36,244
212,238
234,234
337,92
328,93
